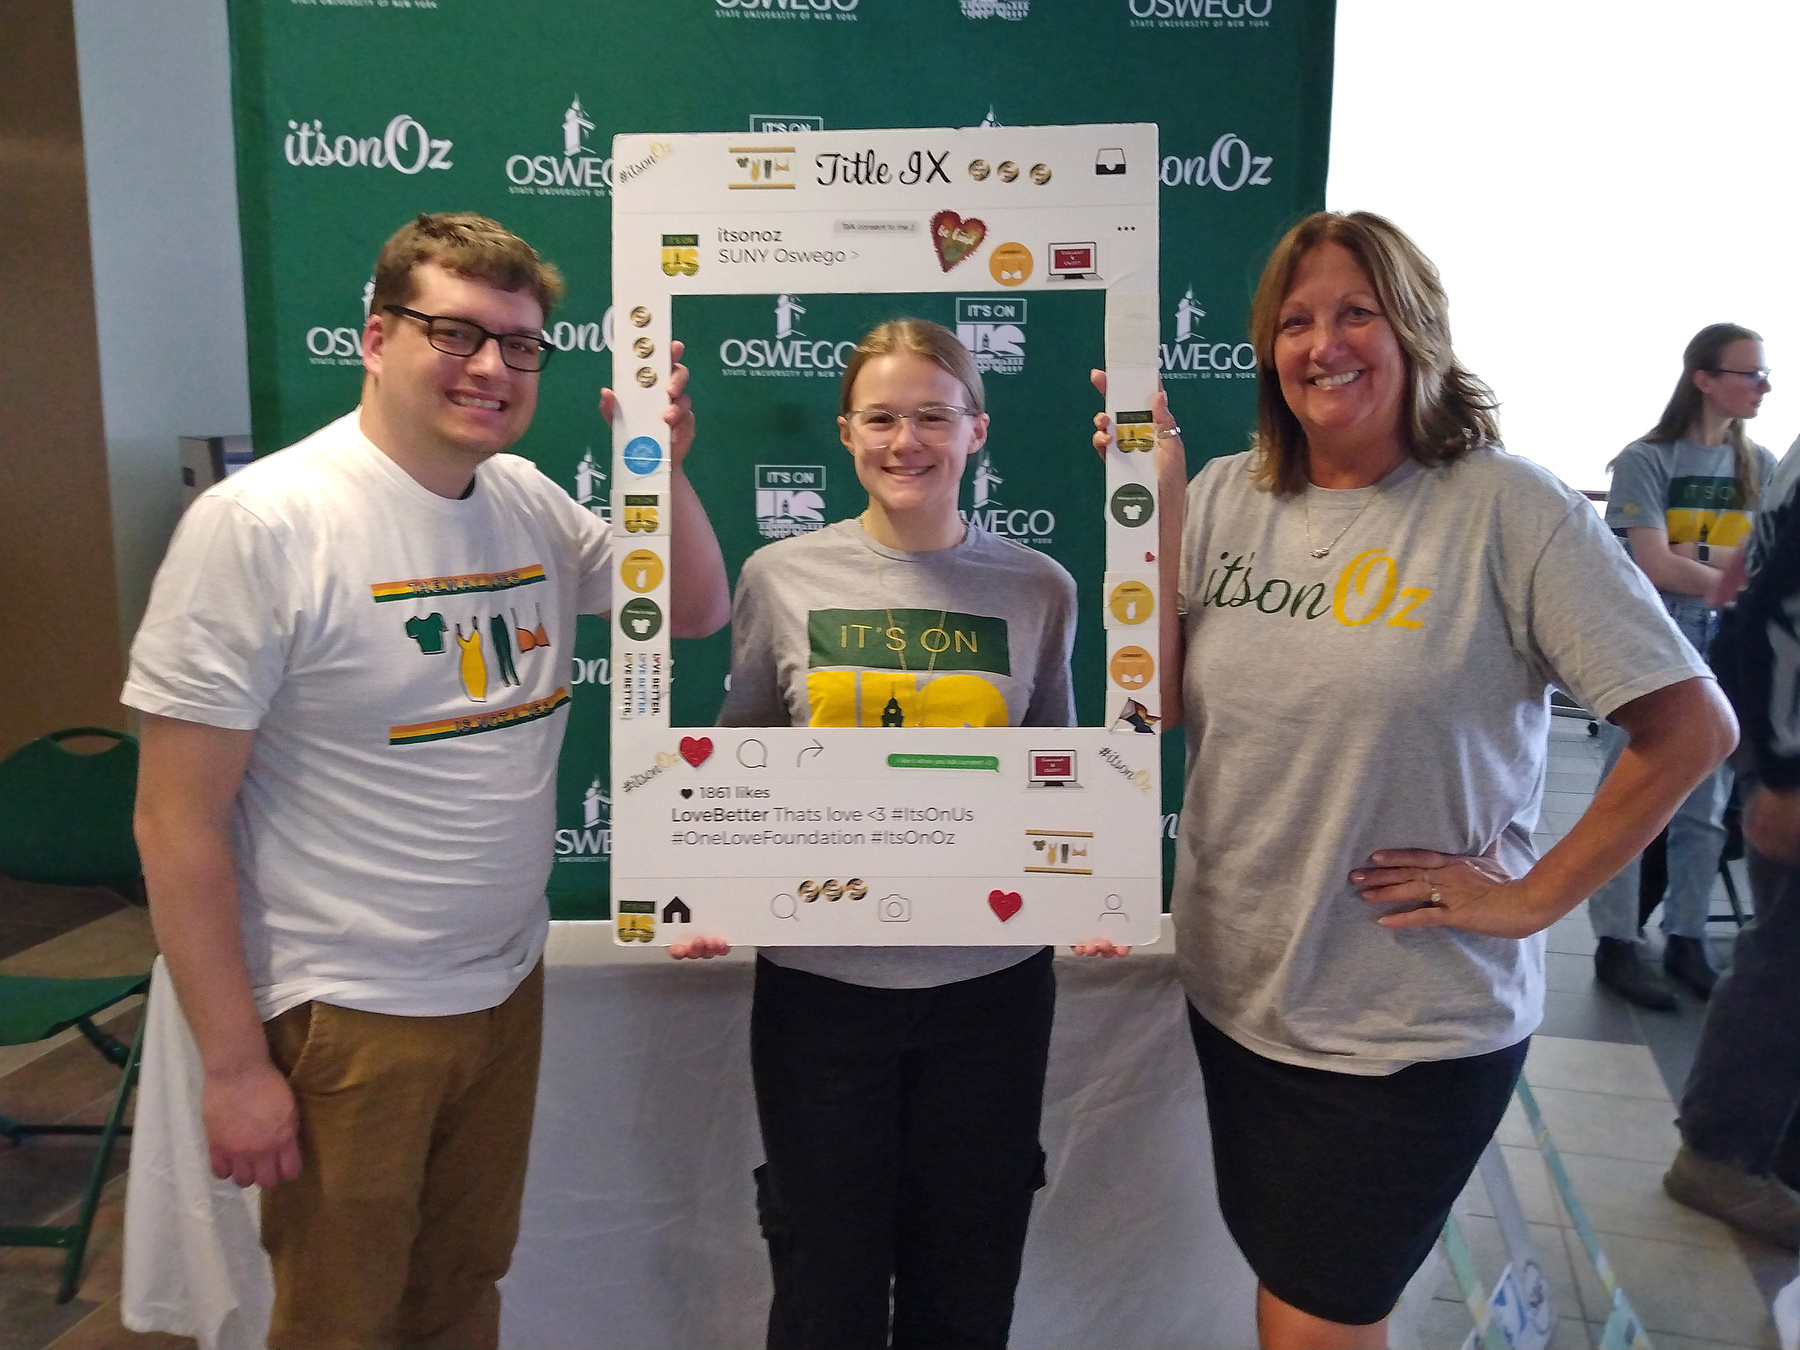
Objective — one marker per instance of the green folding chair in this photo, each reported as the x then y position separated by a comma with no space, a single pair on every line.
65,819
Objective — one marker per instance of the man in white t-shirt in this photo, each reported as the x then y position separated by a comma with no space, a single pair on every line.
351,671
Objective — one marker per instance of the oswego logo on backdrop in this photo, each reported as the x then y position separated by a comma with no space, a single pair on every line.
1228,166
791,352
575,173
785,9
592,841
405,147
986,509
1191,357
1200,13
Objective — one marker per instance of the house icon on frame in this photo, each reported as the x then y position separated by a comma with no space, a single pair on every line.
676,912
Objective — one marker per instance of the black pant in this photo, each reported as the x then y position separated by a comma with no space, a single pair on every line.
900,1128
1742,1103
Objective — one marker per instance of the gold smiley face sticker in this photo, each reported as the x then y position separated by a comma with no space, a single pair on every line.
640,317
1007,171
1040,174
1131,667
855,889
1131,602
830,890
1010,264
643,349
641,570
978,169
646,376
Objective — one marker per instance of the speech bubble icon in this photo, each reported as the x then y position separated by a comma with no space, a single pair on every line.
753,754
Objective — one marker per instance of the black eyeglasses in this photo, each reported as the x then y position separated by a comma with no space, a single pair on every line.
463,337
1758,376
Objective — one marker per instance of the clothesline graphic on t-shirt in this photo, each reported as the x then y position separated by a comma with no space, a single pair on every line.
531,638
503,649
428,631
471,665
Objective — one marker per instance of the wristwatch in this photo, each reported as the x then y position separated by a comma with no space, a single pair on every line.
1703,552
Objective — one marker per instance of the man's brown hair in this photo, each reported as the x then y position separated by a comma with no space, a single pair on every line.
468,245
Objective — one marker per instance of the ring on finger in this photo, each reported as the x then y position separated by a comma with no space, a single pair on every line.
1436,899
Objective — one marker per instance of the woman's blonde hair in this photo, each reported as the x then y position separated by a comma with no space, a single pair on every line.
923,338
1445,411
1704,352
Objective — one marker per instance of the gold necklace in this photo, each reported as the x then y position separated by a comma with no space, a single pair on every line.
1306,511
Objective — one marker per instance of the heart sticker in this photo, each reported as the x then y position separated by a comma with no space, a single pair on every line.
1005,904
1149,557
686,793
696,749
955,238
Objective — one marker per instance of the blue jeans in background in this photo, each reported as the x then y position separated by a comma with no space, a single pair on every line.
1696,834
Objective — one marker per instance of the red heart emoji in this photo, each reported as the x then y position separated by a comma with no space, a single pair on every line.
1005,904
955,238
1149,557
695,749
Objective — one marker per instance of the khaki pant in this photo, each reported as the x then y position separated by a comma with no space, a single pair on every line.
413,1137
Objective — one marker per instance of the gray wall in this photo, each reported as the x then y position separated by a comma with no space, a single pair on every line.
168,276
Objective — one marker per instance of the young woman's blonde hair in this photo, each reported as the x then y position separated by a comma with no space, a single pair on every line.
1445,411
1704,351
923,338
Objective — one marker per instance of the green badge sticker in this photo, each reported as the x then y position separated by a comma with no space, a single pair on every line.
1132,504
641,618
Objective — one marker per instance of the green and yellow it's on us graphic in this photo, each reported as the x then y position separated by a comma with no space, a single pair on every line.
913,671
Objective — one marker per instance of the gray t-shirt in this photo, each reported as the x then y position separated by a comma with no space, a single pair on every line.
1688,489
1392,694
831,629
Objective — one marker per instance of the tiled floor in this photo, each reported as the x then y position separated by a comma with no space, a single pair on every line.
44,931
1605,1075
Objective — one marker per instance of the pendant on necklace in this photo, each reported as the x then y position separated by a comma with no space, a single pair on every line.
1321,552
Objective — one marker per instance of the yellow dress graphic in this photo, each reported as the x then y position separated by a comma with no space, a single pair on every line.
892,698
471,664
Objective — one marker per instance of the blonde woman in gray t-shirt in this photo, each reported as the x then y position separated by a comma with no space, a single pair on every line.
1377,599
899,1088
1682,499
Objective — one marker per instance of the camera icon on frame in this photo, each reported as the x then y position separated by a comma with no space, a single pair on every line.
893,909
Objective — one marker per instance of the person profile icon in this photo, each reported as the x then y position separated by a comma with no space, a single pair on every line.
1115,908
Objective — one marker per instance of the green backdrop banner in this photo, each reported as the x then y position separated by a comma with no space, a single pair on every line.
351,115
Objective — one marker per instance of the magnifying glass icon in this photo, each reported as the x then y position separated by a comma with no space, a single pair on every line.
783,906
753,754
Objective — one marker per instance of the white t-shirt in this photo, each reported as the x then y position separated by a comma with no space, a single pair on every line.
1393,694
403,661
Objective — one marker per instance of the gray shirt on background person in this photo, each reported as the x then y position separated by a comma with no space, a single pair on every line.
1688,490
832,629
1392,694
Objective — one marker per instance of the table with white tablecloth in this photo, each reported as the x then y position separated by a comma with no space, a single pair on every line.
639,1226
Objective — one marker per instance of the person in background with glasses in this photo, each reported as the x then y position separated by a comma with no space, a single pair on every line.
345,820
899,1088
1682,499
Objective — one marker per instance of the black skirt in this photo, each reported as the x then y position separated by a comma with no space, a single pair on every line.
1335,1185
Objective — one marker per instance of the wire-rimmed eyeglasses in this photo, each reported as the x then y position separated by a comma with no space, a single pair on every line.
527,352
933,424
